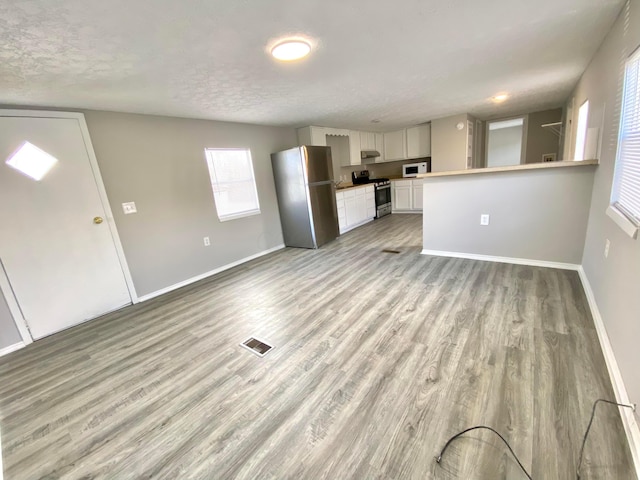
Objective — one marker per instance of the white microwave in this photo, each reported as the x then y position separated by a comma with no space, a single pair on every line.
413,169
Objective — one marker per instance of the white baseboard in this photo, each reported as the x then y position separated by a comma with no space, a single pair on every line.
353,227
191,280
492,258
411,212
627,415
11,348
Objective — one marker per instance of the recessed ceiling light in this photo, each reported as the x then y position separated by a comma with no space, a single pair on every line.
500,97
31,161
291,49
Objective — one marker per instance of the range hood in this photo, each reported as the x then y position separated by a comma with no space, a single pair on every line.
369,156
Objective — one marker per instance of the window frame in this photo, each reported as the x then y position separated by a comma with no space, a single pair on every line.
615,210
581,133
215,183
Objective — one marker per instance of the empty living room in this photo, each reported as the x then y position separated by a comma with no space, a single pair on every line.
319,240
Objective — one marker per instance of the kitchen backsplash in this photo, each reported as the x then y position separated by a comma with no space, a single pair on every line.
377,170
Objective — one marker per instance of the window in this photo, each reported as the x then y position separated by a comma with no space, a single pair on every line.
625,196
233,182
581,133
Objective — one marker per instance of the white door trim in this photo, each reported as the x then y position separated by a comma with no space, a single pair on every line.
5,287
14,308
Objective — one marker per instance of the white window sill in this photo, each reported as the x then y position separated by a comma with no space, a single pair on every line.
622,221
251,213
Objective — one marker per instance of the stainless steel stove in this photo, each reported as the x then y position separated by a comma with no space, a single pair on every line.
382,188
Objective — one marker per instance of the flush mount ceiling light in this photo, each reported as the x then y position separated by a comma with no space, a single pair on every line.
31,161
291,49
500,98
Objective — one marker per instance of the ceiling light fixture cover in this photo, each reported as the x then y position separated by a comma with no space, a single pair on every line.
291,49
500,97
32,161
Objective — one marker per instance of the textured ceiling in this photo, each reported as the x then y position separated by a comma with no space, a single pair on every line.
401,62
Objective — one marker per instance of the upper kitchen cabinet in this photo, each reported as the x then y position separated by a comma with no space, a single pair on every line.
395,145
408,143
345,144
367,141
379,146
312,136
318,135
419,141
354,150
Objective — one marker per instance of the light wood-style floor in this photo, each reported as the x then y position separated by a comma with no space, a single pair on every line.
379,358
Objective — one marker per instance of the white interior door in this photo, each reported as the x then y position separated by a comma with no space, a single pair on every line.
62,265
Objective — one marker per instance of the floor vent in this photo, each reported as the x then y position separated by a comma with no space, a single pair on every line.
256,346
388,250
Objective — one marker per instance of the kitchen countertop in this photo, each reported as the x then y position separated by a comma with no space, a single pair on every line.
351,186
512,168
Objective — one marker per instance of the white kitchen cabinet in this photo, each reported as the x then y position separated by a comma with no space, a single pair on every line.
356,206
408,143
367,141
406,195
379,146
395,145
401,198
312,136
354,149
419,141
416,195
370,198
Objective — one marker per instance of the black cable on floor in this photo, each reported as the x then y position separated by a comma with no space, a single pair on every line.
439,457
584,438
586,433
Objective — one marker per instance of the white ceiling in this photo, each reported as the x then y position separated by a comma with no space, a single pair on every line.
401,62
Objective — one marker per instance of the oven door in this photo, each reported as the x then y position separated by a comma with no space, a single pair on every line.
383,195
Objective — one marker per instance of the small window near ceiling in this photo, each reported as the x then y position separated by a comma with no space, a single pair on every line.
233,182
581,132
625,195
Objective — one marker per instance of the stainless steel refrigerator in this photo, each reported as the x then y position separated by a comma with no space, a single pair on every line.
306,196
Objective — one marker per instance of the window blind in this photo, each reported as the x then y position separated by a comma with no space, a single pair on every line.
233,182
626,188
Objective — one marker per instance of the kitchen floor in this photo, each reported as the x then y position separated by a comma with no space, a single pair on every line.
379,358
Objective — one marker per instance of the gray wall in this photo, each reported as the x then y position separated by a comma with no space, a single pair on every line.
523,222
158,163
9,334
505,146
448,144
615,280
542,140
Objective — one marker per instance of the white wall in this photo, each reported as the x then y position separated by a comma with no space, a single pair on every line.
615,280
524,223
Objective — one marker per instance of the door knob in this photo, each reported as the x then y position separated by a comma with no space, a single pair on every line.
97,220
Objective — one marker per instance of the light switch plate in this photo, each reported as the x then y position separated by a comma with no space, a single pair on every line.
129,207
484,219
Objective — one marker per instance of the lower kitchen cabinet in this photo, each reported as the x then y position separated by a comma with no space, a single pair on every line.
356,206
406,195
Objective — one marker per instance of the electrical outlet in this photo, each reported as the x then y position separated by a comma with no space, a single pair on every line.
207,242
607,244
484,219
